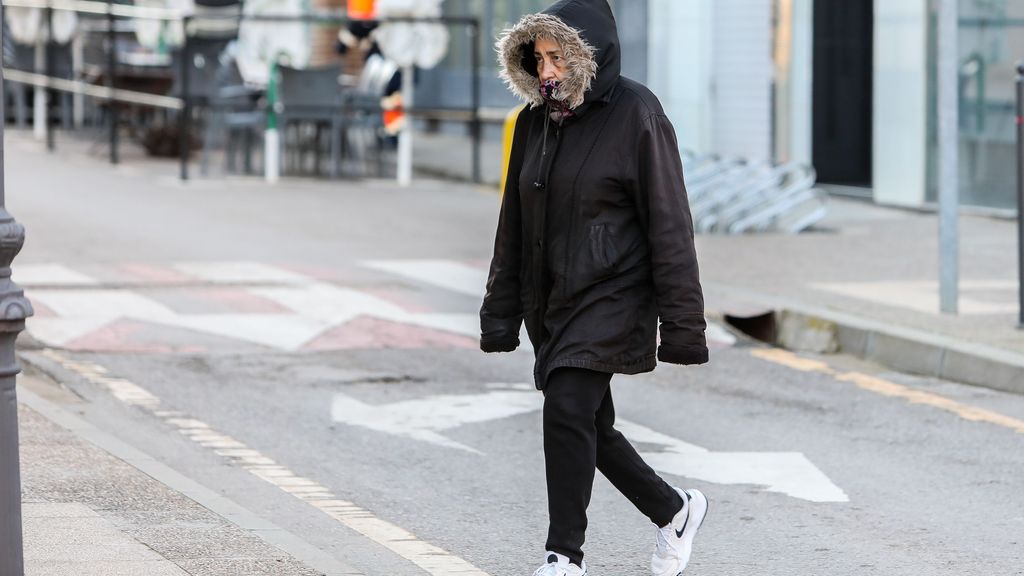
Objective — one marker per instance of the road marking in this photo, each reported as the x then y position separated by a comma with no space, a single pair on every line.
315,308
50,274
239,273
267,306
448,274
423,419
789,473
890,389
472,281
122,389
432,559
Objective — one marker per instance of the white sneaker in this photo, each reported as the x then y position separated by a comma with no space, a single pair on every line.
558,565
675,541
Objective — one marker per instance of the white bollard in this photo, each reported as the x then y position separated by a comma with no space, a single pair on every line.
271,155
405,136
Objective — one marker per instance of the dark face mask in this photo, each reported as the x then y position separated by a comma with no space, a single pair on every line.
559,108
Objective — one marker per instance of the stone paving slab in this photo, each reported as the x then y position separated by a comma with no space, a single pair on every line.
71,538
87,513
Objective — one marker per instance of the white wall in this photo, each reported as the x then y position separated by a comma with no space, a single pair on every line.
900,128
743,71
679,67
709,61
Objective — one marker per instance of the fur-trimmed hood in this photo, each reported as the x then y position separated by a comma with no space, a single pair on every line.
585,29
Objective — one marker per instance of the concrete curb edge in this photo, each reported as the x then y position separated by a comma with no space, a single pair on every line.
228,509
897,347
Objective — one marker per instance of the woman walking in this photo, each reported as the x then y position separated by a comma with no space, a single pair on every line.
594,246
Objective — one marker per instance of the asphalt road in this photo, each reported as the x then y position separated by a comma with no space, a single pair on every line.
166,309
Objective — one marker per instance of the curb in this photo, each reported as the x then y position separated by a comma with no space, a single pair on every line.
809,329
283,540
909,350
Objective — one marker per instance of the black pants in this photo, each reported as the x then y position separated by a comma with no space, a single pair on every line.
579,436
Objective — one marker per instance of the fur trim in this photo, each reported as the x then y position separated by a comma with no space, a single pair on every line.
580,56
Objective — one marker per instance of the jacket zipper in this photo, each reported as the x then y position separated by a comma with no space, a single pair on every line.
543,174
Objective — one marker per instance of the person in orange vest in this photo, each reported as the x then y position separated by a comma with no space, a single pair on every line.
357,39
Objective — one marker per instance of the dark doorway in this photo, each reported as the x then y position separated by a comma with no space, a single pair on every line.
843,68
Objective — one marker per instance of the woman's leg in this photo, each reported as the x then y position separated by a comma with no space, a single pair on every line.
627,471
571,400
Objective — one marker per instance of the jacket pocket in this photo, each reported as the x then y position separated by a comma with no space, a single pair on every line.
527,291
603,253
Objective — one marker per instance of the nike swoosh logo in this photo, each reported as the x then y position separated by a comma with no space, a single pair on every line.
679,533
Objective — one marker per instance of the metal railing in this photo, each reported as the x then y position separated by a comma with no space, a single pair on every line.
733,196
186,104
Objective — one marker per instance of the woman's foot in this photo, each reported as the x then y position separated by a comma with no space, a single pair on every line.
675,541
558,565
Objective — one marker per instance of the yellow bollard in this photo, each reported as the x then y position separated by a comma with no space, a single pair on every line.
506,150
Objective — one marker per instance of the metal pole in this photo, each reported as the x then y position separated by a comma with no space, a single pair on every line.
949,177
77,63
39,93
50,143
111,73
1020,193
474,43
12,321
184,121
405,137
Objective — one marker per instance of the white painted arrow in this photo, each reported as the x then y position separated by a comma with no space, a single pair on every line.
789,473
424,419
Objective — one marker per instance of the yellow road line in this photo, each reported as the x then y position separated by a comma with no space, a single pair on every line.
431,559
890,389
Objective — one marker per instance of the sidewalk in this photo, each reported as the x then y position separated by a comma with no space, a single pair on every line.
866,283
433,156
88,512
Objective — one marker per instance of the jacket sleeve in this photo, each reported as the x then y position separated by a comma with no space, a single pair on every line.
664,209
501,314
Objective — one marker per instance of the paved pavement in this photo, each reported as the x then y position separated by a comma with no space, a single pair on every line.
296,362
88,512
870,274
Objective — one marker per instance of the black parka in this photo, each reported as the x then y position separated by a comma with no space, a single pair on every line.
595,240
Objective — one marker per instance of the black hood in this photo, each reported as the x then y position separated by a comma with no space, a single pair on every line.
586,31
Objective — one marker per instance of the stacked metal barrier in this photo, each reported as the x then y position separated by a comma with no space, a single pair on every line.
734,196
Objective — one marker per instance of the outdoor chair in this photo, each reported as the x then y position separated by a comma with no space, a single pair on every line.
309,100
205,57
21,57
235,117
363,113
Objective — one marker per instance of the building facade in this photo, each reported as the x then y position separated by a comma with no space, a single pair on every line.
849,87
